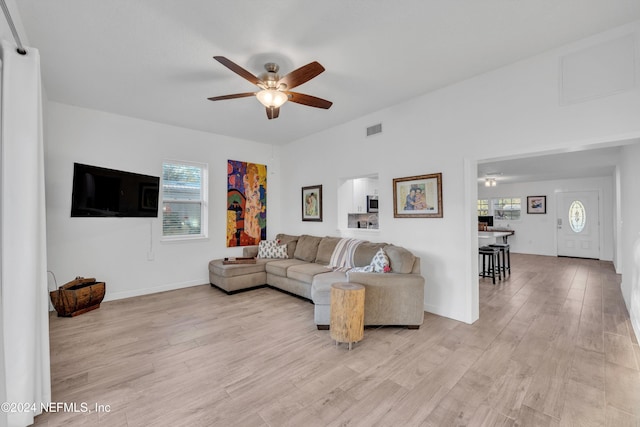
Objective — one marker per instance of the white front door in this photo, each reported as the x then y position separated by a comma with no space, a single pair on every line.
578,222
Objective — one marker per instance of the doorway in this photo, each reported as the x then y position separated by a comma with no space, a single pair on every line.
578,223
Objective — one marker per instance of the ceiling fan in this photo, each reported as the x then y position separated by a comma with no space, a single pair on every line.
274,90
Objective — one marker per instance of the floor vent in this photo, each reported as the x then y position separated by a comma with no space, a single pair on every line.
372,130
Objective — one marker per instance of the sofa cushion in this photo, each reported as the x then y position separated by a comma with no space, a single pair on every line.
286,238
272,249
290,241
401,260
306,272
321,286
325,249
307,248
250,251
280,267
365,253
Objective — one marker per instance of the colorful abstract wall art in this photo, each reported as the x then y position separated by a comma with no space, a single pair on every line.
246,203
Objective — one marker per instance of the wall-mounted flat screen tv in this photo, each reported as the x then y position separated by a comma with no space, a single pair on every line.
102,192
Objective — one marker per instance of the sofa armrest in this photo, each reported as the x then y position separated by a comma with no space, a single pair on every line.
250,251
392,298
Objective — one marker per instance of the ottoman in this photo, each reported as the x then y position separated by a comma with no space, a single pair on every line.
232,278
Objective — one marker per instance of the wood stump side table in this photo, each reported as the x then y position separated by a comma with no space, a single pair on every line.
347,312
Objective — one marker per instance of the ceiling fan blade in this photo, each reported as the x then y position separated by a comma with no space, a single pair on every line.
233,96
311,101
301,75
273,112
238,70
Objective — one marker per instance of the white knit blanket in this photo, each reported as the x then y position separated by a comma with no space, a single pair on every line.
342,257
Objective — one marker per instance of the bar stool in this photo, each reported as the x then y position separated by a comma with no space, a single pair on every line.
506,256
490,262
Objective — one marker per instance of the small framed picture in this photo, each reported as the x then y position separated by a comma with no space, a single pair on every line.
418,196
536,204
312,203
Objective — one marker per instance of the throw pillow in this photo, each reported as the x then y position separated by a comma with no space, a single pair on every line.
365,269
380,262
271,249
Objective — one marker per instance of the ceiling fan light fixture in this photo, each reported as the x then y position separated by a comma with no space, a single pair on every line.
272,98
274,91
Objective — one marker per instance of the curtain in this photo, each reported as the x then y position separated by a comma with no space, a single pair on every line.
24,333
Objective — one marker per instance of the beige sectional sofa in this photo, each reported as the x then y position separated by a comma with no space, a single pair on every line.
394,298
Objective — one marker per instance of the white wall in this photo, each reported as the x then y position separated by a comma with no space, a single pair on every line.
536,234
630,177
511,111
115,249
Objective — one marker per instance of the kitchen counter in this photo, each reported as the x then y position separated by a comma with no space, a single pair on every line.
493,234
363,220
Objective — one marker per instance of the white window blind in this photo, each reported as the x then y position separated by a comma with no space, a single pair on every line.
184,200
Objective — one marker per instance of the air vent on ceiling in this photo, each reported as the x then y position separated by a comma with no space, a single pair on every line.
372,130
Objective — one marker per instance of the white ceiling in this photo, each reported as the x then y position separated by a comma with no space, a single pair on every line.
569,165
152,59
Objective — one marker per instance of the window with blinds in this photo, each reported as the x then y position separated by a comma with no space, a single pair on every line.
184,200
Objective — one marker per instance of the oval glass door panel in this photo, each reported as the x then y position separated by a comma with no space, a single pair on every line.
577,216
580,236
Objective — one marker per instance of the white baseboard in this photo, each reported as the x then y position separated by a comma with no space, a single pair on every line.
636,328
111,296
439,312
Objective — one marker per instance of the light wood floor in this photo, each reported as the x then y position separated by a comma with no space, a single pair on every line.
553,346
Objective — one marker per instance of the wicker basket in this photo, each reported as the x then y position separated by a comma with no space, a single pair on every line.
77,297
